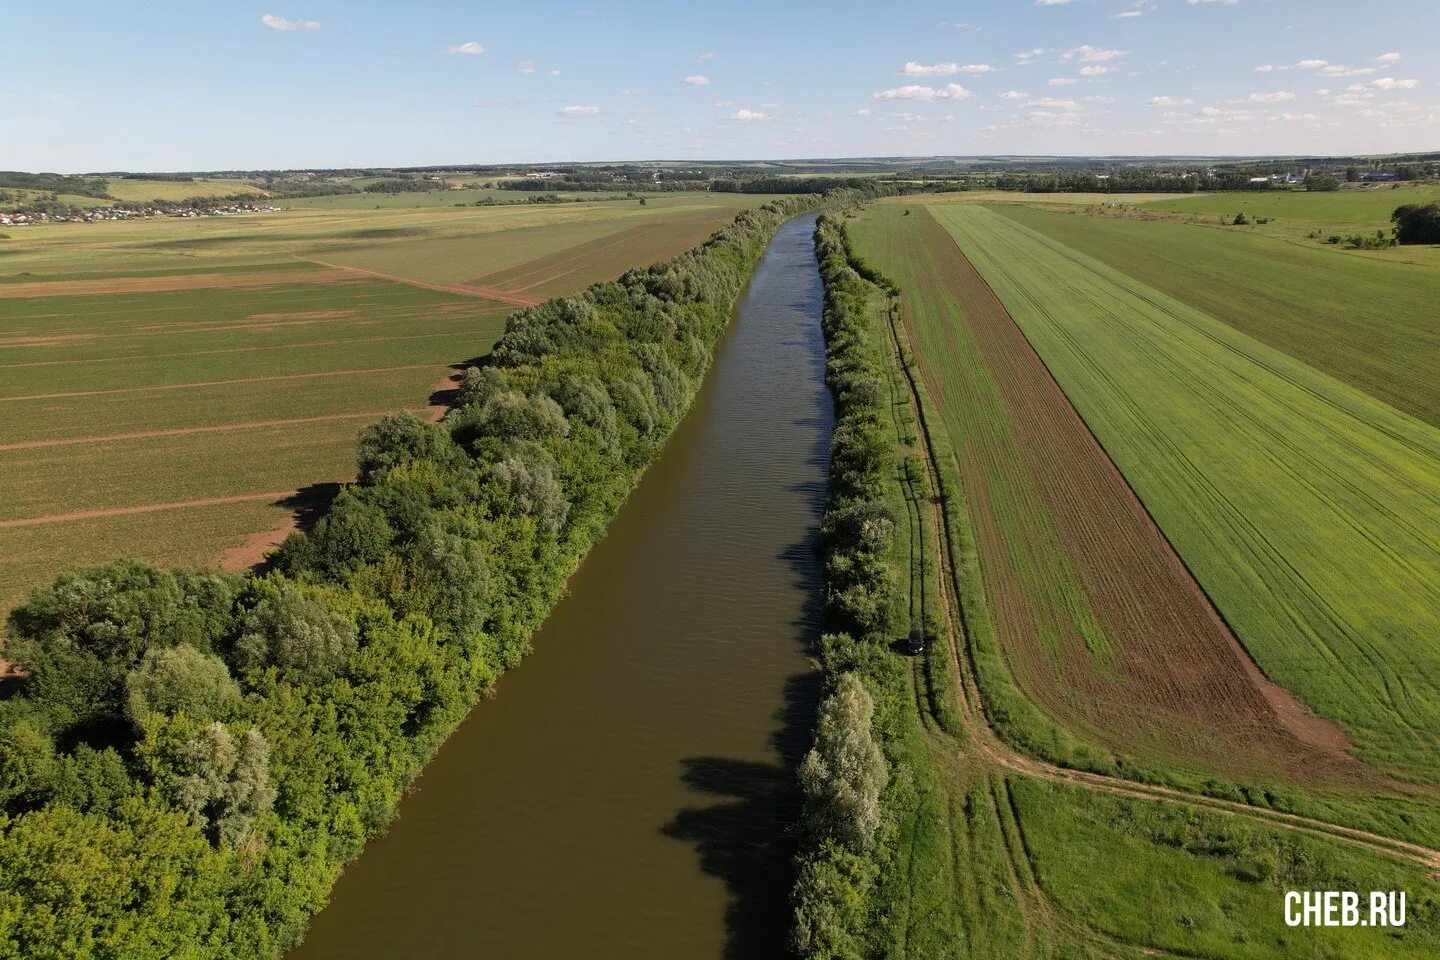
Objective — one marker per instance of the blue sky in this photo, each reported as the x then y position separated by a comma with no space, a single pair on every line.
304,83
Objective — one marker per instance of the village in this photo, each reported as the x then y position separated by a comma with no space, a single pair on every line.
69,214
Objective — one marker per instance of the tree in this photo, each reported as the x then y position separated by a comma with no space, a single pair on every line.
220,782
1240,219
844,774
1417,223
400,437
297,634
171,680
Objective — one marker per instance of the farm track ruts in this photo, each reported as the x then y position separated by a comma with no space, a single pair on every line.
1166,674
488,293
223,350
194,281
991,748
189,431
220,383
276,495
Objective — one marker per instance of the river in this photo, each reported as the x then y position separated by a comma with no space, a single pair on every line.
630,791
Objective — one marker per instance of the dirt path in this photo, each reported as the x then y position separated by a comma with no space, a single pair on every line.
989,745
193,281
464,289
188,431
144,508
219,383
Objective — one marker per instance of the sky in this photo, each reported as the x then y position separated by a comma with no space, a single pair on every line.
91,86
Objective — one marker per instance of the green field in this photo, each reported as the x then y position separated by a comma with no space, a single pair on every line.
1305,507
975,860
1368,323
1360,207
124,188
158,365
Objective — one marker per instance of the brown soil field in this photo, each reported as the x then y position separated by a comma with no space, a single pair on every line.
1099,618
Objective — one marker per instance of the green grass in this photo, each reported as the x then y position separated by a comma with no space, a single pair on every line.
1361,206
1369,323
1205,885
1303,506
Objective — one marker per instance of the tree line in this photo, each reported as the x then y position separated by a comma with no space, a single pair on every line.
190,757
852,802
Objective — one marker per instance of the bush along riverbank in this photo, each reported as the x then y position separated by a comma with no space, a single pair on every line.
191,757
866,777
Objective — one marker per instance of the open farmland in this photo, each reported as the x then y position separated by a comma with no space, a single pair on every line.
1367,322
1304,507
1102,621
183,387
138,188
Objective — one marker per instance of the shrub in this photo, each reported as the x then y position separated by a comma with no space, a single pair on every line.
171,680
1417,223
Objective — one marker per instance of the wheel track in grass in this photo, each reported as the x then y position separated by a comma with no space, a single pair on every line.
991,748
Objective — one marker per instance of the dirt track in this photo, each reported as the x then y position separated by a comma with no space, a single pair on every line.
464,289
218,383
144,508
183,281
187,431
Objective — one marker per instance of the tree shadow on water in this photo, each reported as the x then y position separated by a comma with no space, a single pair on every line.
746,836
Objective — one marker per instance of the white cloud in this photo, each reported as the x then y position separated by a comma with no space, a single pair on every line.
951,91
1279,96
1051,3
1340,70
697,80
705,57
1051,104
1223,3
1093,71
914,69
1388,58
745,115
280,23
1166,102
577,112
1265,68
1028,56
469,47
1386,83
1061,81
1312,64
526,66
864,112
1014,95
1127,13
1089,54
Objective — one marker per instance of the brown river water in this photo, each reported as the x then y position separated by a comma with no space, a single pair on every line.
630,791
